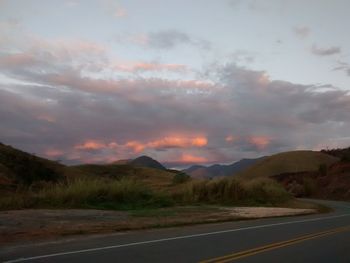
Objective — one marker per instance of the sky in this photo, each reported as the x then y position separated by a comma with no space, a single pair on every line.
185,82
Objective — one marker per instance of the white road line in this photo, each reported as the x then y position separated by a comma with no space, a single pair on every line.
172,238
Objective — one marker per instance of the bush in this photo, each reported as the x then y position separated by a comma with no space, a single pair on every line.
180,178
266,191
310,186
89,193
323,169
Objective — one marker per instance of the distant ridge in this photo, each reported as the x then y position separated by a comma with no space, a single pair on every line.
288,162
217,170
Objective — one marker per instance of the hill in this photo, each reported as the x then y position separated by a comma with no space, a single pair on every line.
328,183
217,170
152,177
145,161
18,167
142,161
343,154
288,162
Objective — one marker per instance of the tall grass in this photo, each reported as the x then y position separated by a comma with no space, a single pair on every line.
127,194
233,191
89,193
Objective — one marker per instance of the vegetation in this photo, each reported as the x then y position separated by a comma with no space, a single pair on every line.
125,194
88,193
342,154
24,168
180,178
231,191
288,162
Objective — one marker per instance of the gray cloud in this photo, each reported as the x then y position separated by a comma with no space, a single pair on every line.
172,38
325,51
61,112
343,66
302,31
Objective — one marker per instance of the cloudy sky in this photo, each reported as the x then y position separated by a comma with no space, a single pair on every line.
184,82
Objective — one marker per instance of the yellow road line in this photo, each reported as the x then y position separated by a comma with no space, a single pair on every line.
253,251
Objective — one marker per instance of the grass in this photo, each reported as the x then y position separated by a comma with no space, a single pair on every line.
288,162
231,191
130,194
124,194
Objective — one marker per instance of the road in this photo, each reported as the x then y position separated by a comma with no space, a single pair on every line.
313,238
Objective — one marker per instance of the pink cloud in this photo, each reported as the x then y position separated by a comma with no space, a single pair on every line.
178,142
120,12
231,138
91,145
261,142
147,66
136,146
53,153
18,60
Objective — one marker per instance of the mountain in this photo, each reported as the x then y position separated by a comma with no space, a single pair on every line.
18,167
142,161
199,171
288,162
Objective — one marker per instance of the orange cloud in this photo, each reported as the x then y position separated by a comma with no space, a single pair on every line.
178,142
136,146
189,158
91,145
260,141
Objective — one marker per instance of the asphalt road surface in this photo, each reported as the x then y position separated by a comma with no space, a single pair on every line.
313,238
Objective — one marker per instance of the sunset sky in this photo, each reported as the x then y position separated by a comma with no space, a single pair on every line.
185,82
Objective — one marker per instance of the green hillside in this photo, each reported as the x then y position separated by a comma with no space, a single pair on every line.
288,162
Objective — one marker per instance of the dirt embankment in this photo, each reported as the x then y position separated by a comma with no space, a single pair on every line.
328,183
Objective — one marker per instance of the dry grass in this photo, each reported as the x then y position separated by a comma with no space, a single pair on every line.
288,162
126,194
230,191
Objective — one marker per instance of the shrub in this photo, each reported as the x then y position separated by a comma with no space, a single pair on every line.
180,178
232,191
323,169
310,186
266,191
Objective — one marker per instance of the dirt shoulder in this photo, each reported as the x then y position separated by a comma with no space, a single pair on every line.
43,224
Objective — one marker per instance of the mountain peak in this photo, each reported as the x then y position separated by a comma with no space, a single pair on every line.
147,161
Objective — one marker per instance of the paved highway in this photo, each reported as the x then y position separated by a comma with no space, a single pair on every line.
313,238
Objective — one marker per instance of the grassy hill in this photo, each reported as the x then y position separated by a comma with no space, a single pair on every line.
155,178
288,162
18,167
142,161
220,170
330,183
